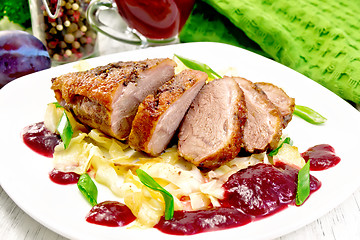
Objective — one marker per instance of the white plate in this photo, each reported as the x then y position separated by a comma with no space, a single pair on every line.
24,174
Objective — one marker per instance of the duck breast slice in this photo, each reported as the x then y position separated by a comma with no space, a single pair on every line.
280,99
263,127
107,97
160,114
211,132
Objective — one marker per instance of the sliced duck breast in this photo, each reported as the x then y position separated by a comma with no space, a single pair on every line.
211,132
280,99
159,115
107,97
263,127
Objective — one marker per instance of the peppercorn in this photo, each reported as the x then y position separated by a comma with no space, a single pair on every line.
68,37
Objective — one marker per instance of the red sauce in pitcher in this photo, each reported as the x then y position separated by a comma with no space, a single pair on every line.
155,19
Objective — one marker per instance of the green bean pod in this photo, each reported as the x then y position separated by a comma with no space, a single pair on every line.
309,115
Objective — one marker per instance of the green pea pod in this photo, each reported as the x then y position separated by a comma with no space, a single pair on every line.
303,187
198,66
275,151
148,181
88,188
57,105
309,115
65,130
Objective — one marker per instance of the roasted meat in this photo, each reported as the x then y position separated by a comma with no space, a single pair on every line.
211,132
107,97
280,99
160,114
263,127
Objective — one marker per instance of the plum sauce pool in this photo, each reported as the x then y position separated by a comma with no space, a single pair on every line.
321,157
63,178
110,214
250,194
40,139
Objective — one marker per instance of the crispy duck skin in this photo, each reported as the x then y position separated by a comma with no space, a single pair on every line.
160,114
263,127
280,99
107,97
211,132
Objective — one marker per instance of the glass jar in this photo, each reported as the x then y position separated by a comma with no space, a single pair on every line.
62,26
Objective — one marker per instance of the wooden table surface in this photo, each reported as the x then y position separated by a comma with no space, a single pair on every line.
341,223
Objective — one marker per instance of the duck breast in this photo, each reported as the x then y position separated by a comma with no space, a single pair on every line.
160,114
107,97
280,99
263,127
211,132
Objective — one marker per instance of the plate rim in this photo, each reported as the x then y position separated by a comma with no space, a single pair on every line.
136,52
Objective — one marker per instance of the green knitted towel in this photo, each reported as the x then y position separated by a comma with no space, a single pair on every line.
318,38
205,24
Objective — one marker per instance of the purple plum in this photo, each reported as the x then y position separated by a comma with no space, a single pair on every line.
21,53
